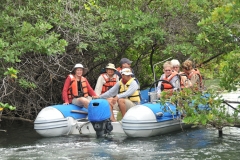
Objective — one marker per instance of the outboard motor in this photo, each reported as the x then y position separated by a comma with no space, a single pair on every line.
99,115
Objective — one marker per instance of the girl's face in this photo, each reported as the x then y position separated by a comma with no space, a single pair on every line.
79,72
167,71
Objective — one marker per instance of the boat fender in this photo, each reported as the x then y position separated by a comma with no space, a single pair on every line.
159,114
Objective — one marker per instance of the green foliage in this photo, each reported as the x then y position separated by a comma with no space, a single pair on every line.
231,80
203,108
184,48
11,72
28,38
25,31
6,106
25,84
36,33
220,35
131,29
18,36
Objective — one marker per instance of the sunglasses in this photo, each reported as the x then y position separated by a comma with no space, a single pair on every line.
167,70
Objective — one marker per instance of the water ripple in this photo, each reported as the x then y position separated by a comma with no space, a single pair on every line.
191,144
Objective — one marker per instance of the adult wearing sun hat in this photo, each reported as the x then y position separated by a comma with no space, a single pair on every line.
124,94
76,89
106,80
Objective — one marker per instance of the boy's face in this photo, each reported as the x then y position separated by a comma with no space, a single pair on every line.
125,65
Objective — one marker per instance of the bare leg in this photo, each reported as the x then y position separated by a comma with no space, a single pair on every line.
84,101
122,106
112,118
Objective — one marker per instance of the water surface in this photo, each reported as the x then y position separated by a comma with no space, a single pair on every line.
22,142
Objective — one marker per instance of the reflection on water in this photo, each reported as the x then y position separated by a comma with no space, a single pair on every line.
22,142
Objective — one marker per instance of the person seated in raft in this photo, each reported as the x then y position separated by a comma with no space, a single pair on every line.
124,94
170,79
176,65
124,63
76,88
184,81
106,80
193,74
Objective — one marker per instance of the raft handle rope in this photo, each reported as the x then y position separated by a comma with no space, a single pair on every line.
80,127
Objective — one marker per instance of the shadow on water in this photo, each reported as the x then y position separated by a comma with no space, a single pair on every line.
17,133
22,142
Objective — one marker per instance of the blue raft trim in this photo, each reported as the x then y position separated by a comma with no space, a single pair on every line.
66,110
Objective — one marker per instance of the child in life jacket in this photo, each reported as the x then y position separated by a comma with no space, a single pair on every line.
184,81
169,80
193,74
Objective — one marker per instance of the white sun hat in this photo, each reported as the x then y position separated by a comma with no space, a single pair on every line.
79,65
127,71
110,66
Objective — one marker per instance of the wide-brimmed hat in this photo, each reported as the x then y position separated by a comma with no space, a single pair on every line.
79,65
126,71
110,66
125,60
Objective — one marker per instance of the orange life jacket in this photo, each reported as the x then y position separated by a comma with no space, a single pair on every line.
200,82
110,82
73,88
119,69
167,86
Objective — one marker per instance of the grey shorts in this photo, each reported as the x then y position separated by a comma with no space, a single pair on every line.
76,102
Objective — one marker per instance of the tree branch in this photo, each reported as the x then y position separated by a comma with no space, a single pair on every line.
208,60
17,118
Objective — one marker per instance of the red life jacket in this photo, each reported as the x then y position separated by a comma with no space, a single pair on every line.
73,88
110,82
